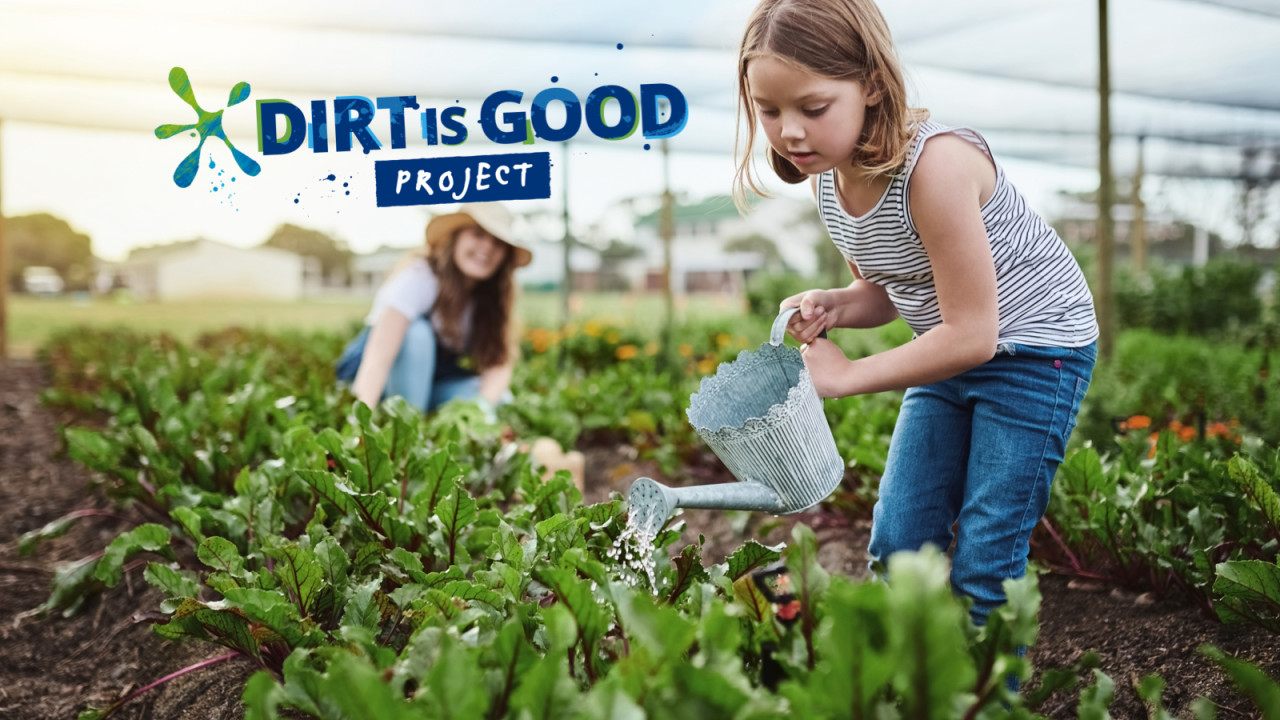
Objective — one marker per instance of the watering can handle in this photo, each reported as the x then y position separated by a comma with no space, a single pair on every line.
779,331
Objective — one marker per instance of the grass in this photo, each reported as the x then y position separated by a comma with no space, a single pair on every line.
32,320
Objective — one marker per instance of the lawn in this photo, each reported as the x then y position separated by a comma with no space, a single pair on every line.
32,320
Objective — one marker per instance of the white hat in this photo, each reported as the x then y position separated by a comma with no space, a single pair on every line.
492,217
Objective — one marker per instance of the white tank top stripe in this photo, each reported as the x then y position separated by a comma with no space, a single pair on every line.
1042,294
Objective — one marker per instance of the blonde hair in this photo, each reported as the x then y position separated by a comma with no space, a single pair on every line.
493,327
838,39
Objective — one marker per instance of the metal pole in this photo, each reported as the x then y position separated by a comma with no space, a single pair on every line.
1103,293
567,287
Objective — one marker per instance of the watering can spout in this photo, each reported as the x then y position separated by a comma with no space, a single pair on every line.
652,503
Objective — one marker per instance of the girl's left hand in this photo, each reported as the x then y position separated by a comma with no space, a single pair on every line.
828,367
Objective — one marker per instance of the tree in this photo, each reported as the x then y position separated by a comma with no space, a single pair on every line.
333,254
43,239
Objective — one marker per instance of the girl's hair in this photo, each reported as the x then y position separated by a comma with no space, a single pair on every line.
839,39
493,329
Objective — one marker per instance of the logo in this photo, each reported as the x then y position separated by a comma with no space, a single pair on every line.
207,125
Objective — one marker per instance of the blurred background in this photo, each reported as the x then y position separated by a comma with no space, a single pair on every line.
96,230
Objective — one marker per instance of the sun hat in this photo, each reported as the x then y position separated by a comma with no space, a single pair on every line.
492,217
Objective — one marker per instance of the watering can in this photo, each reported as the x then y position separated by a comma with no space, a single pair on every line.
761,415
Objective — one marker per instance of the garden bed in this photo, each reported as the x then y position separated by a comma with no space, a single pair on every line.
55,666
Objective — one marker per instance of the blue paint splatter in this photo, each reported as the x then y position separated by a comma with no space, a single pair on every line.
646,146
619,46
555,78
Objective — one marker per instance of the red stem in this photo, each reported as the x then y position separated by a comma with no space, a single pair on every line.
1075,563
190,668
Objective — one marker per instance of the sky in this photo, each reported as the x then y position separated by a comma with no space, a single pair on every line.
83,87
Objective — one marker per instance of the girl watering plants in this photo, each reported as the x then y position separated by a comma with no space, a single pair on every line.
934,232
449,300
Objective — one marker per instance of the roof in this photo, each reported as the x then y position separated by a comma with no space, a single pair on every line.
1195,77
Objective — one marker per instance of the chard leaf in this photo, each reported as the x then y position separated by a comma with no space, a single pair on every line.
261,697
95,451
144,538
751,556
545,691
512,655
72,582
299,574
455,512
222,555
375,467
455,687
1264,497
662,630
436,471
1252,681
334,562
53,529
1250,592
358,691
173,583
470,592
410,563
191,520
362,610
689,570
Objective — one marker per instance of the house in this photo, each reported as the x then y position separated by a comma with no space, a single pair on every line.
205,269
778,233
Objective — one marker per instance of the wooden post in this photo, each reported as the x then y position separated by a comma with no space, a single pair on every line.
1138,227
567,288
666,230
1103,294
4,267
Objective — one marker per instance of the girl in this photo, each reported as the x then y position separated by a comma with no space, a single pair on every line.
934,233
450,299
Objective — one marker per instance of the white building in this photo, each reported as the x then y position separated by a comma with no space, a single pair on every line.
205,269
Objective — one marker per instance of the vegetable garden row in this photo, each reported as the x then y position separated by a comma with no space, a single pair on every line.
382,564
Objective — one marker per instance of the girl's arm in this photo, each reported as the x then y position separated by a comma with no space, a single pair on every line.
950,182
495,381
379,355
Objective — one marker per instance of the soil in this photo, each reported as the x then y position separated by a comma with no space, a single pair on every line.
53,667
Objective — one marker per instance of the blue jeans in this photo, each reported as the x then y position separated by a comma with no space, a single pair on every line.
980,449
412,374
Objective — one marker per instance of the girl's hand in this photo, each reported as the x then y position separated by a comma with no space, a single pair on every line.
817,314
828,367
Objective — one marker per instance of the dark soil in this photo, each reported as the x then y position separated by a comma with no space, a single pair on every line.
55,666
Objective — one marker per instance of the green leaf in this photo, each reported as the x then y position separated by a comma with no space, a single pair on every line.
1262,690
463,590
93,450
546,690
660,629
1151,690
751,556
455,512
144,538
512,656
689,570
358,690
1095,699
261,697
362,610
1250,592
300,575
222,555
53,529
436,472
173,583
1264,497
72,582
928,634
455,687
191,520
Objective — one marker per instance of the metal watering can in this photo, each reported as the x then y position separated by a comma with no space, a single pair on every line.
761,415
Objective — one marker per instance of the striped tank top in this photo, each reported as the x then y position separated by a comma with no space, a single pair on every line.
1042,295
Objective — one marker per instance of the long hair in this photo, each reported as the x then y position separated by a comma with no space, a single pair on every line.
493,328
838,39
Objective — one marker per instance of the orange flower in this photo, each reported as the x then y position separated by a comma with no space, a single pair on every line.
722,339
651,349
685,349
593,329
1187,433
613,337
707,366
1139,422
1218,429
626,352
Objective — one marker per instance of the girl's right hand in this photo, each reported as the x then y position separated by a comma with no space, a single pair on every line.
817,314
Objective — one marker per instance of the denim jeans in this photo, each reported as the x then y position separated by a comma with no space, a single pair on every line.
412,373
980,449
